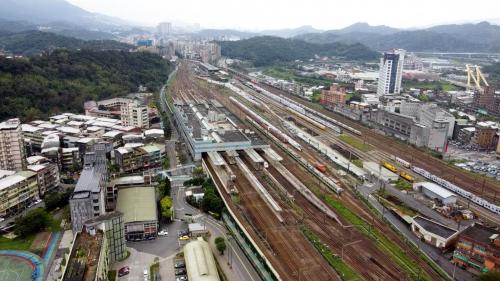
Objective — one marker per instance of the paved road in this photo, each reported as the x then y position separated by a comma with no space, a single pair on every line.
432,253
241,268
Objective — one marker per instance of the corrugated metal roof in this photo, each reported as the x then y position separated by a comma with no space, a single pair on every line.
200,263
438,190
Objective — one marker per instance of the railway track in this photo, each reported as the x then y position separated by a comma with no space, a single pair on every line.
480,185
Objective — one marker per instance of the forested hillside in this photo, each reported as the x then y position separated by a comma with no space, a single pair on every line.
33,42
266,50
63,80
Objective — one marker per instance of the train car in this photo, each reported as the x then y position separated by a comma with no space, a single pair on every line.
320,167
402,162
407,176
390,167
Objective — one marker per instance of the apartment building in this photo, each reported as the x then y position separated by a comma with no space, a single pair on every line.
135,115
17,191
131,159
333,96
47,176
486,135
391,72
12,155
88,199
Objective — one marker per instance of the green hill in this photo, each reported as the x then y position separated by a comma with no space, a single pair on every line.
63,80
267,50
33,42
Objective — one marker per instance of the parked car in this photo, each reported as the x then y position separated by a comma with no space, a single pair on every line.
179,264
181,278
123,271
185,237
163,233
180,271
2,219
146,274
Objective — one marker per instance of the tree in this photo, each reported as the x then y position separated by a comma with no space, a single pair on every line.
489,276
34,221
164,187
220,244
166,207
166,164
198,172
54,200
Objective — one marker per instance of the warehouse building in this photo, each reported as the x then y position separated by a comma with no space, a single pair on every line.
437,192
200,263
138,205
434,233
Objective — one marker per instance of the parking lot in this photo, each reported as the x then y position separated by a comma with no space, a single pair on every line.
483,163
143,254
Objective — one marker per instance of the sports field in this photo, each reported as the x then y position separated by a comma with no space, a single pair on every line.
15,269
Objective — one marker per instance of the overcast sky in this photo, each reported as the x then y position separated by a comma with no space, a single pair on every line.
271,14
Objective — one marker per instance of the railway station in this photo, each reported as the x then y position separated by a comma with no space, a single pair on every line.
208,126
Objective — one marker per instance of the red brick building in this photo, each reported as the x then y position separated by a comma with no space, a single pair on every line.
333,96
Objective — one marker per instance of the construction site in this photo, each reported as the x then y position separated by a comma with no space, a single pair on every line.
290,192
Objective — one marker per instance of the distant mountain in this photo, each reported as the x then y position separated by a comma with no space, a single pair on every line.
291,32
480,37
266,50
223,34
43,12
363,27
35,42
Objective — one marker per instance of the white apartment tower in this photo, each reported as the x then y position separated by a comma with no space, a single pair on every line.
11,146
135,115
391,72
164,29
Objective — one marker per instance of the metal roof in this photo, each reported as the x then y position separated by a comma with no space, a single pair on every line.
137,204
254,155
438,190
434,227
216,158
200,263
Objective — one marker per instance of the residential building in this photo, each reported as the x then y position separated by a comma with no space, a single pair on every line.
113,228
134,115
70,158
138,205
434,233
478,249
391,71
12,156
88,199
466,135
487,101
17,191
333,96
164,29
33,136
486,135
200,262
47,176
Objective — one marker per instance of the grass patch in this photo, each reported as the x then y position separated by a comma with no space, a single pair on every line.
403,185
153,270
334,260
430,85
354,142
16,243
358,162
384,244
112,275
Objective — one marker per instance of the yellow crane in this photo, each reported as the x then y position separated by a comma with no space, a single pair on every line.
475,75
